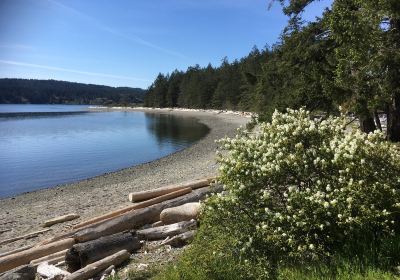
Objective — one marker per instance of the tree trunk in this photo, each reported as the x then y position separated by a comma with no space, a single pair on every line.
393,125
393,120
367,123
163,232
60,219
149,194
60,256
377,121
140,217
26,272
139,205
80,255
97,267
24,257
185,212
181,239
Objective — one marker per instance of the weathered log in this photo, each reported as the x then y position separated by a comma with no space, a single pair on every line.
86,253
180,239
57,260
144,195
29,235
162,232
96,267
58,255
140,217
141,205
60,219
185,212
105,274
157,224
24,257
15,251
25,272
50,271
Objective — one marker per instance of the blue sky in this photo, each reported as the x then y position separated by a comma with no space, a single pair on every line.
128,42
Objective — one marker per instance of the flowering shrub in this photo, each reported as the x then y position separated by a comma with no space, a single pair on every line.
307,188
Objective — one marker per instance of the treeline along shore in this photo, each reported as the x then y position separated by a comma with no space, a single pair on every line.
30,91
315,65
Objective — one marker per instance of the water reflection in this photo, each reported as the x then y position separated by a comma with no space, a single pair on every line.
168,127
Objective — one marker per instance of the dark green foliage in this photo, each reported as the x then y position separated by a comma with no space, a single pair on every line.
349,57
17,91
156,94
297,72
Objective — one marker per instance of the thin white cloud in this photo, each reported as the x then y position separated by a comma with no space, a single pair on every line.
61,69
15,46
133,39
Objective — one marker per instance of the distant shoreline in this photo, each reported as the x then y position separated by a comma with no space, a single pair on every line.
24,213
168,110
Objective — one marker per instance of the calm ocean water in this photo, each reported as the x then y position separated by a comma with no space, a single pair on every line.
46,145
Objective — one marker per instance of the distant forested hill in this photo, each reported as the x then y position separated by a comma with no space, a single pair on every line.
17,91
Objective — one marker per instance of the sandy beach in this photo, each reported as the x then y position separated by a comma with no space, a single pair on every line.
92,197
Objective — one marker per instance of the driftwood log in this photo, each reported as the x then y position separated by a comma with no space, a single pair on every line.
25,272
141,205
60,219
97,267
163,232
101,219
50,271
144,195
105,273
52,258
181,239
82,254
16,251
185,212
140,217
24,257
26,236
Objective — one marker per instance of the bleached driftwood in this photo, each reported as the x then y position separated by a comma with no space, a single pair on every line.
16,251
140,217
50,271
162,232
24,257
185,212
52,258
157,224
134,207
25,272
107,272
26,236
60,219
96,267
148,194
180,239
82,254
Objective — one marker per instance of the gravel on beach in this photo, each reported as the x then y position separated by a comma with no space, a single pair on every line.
92,197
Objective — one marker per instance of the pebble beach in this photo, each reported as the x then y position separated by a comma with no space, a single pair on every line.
88,198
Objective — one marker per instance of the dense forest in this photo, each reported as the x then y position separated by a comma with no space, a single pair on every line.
350,57
16,91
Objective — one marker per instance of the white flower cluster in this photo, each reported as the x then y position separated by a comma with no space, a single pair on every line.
310,185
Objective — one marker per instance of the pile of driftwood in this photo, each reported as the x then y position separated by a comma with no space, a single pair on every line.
94,247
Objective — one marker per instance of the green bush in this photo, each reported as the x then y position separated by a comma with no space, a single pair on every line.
300,191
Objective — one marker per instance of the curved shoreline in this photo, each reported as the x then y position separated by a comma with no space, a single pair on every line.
91,197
